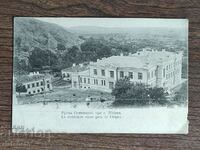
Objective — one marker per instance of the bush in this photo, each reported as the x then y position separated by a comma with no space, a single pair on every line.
127,93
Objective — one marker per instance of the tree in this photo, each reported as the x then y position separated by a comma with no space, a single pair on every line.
130,93
20,88
92,49
158,95
61,47
122,86
40,58
72,55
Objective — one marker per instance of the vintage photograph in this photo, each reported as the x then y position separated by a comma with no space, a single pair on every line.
93,75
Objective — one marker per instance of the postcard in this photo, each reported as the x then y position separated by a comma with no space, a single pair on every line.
100,75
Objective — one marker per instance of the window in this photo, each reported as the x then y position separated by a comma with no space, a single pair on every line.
37,84
29,92
130,74
152,74
63,75
28,86
103,72
88,80
121,74
84,80
103,82
75,84
48,86
164,72
96,81
41,83
111,85
139,75
148,75
33,91
80,80
38,91
95,71
112,74
42,89
47,81
167,67
33,84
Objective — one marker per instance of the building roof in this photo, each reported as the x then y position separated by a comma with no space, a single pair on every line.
143,59
77,68
121,61
31,78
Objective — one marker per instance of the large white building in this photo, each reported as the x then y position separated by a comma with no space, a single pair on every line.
150,67
35,83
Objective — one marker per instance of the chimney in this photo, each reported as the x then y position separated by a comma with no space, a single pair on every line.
74,65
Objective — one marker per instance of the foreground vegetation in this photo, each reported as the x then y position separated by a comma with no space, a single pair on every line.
127,93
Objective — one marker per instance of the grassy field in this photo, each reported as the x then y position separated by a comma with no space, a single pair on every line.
65,94
75,97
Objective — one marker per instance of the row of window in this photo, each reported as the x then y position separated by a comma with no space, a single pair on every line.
151,74
95,81
103,73
66,75
37,84
169,75
170,66
121,74
130,75
38,91
111,85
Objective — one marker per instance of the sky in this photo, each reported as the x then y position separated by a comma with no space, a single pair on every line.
116,22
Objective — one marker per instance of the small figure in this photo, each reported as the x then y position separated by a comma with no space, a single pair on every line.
88,104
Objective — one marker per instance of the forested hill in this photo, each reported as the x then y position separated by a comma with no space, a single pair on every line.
35,36
40,45
30,33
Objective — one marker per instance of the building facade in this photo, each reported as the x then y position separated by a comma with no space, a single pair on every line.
149,67
67,72
35,83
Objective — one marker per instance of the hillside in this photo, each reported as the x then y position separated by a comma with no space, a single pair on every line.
41,46
34,40
30,33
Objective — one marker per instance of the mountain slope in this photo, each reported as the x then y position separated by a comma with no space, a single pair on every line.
30,33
